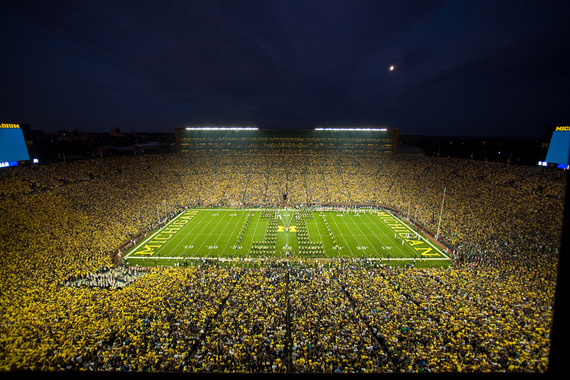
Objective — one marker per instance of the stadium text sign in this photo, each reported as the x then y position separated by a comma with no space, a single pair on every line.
563,128
12,126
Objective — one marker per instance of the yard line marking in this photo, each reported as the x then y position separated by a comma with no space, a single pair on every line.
349,230
249,236
208,213
318,229
254,235
239,223
225,224
396,243
190,233
245,214
218,235
382,233
356,223
341,234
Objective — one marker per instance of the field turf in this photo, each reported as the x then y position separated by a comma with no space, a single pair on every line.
242,235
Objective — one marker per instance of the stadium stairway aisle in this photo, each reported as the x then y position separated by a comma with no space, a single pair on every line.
214,317
379,338
288,336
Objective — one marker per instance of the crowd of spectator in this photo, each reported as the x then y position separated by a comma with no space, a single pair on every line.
65,305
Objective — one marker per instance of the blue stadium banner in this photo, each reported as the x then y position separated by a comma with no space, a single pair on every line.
12,144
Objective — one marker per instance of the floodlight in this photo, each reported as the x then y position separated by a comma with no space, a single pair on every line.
221,129
351,129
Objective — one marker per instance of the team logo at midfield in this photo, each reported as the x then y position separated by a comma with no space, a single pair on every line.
282,229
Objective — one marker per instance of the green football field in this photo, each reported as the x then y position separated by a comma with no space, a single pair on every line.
238,236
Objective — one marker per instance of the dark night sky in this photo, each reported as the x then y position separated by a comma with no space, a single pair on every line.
497,68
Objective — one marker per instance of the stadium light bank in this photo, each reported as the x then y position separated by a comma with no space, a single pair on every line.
351,129
221,129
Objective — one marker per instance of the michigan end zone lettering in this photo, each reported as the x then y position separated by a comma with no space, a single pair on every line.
404,232
165,234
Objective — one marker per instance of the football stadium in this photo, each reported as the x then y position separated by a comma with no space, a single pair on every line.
259,251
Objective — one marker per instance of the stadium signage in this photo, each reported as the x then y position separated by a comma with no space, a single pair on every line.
13,126
563,128
165,234
404,232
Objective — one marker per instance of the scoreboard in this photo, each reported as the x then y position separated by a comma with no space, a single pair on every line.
12,145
